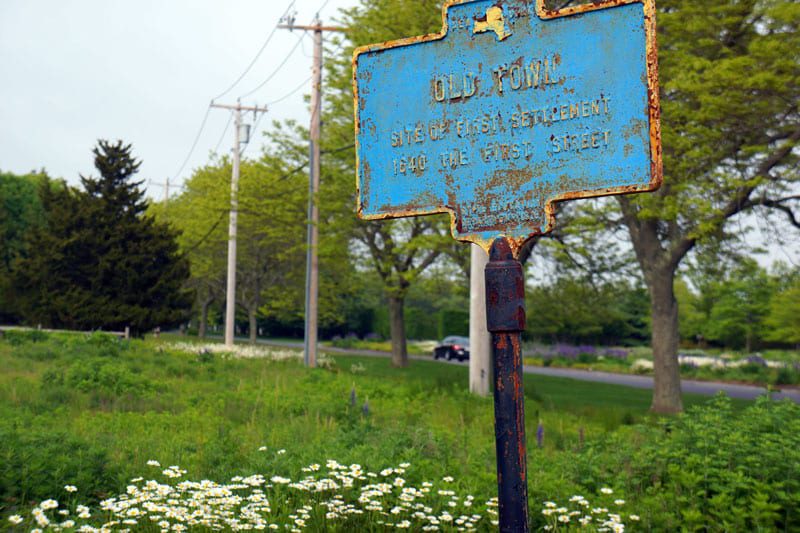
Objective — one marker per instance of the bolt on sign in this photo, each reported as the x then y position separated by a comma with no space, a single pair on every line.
510,109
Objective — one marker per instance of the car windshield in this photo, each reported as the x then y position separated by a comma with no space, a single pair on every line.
461,341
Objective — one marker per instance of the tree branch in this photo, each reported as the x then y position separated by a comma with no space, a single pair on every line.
779,205
741,199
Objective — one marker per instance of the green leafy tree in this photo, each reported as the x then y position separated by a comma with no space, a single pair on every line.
335,200
608,313
271,242
100,261
691,319
199,214
398,250
741,302
730,82
269,254
783,320
20,211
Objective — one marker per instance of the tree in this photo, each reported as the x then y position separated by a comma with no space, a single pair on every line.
398,250
100,261
271,242
607,313
39,279
692,319
783,320
20,211
269,256
199,214
730,82
741,302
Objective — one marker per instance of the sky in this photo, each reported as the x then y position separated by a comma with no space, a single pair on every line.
144,71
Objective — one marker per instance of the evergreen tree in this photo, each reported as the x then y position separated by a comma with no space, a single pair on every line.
101,262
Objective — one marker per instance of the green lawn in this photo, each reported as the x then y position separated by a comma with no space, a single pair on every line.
91,412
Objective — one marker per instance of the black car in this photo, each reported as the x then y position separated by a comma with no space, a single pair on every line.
453,347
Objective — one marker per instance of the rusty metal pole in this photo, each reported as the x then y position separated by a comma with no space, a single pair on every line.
505,318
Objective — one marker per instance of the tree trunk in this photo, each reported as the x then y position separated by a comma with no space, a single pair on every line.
667,378
397,327
251,315
201,333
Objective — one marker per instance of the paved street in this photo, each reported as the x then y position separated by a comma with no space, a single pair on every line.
708,388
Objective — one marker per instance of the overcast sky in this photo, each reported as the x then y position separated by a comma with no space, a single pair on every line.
74,71
144,71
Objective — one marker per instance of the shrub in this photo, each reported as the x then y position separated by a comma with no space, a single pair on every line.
20,337
787,376
719,469
37,464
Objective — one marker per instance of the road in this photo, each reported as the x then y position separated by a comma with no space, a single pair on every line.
708,388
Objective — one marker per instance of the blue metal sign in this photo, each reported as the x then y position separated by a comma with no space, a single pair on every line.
508,110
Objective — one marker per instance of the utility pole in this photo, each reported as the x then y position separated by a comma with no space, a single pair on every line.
166,190
312,257
230,291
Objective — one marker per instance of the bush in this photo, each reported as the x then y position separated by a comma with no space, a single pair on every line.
719,470
37,464
787,376
20,337
712,469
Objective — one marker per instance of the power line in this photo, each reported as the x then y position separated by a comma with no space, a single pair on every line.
208,233
260,51
287,95
282,178
274,72
320,8
241,76
305,164
194,144
222,137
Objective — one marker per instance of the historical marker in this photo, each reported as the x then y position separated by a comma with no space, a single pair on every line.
510,109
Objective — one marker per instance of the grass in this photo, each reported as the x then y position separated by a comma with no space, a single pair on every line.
413,347
751,373
91,412
604,404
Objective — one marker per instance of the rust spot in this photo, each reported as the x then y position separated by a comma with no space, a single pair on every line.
502,341
520,10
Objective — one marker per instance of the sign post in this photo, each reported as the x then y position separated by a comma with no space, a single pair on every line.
511,109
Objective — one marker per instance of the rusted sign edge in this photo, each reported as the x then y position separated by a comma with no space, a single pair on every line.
653,112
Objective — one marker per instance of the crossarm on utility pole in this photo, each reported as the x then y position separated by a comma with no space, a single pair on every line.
315,154
230,288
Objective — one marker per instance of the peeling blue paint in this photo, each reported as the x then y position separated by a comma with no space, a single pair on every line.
506,113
